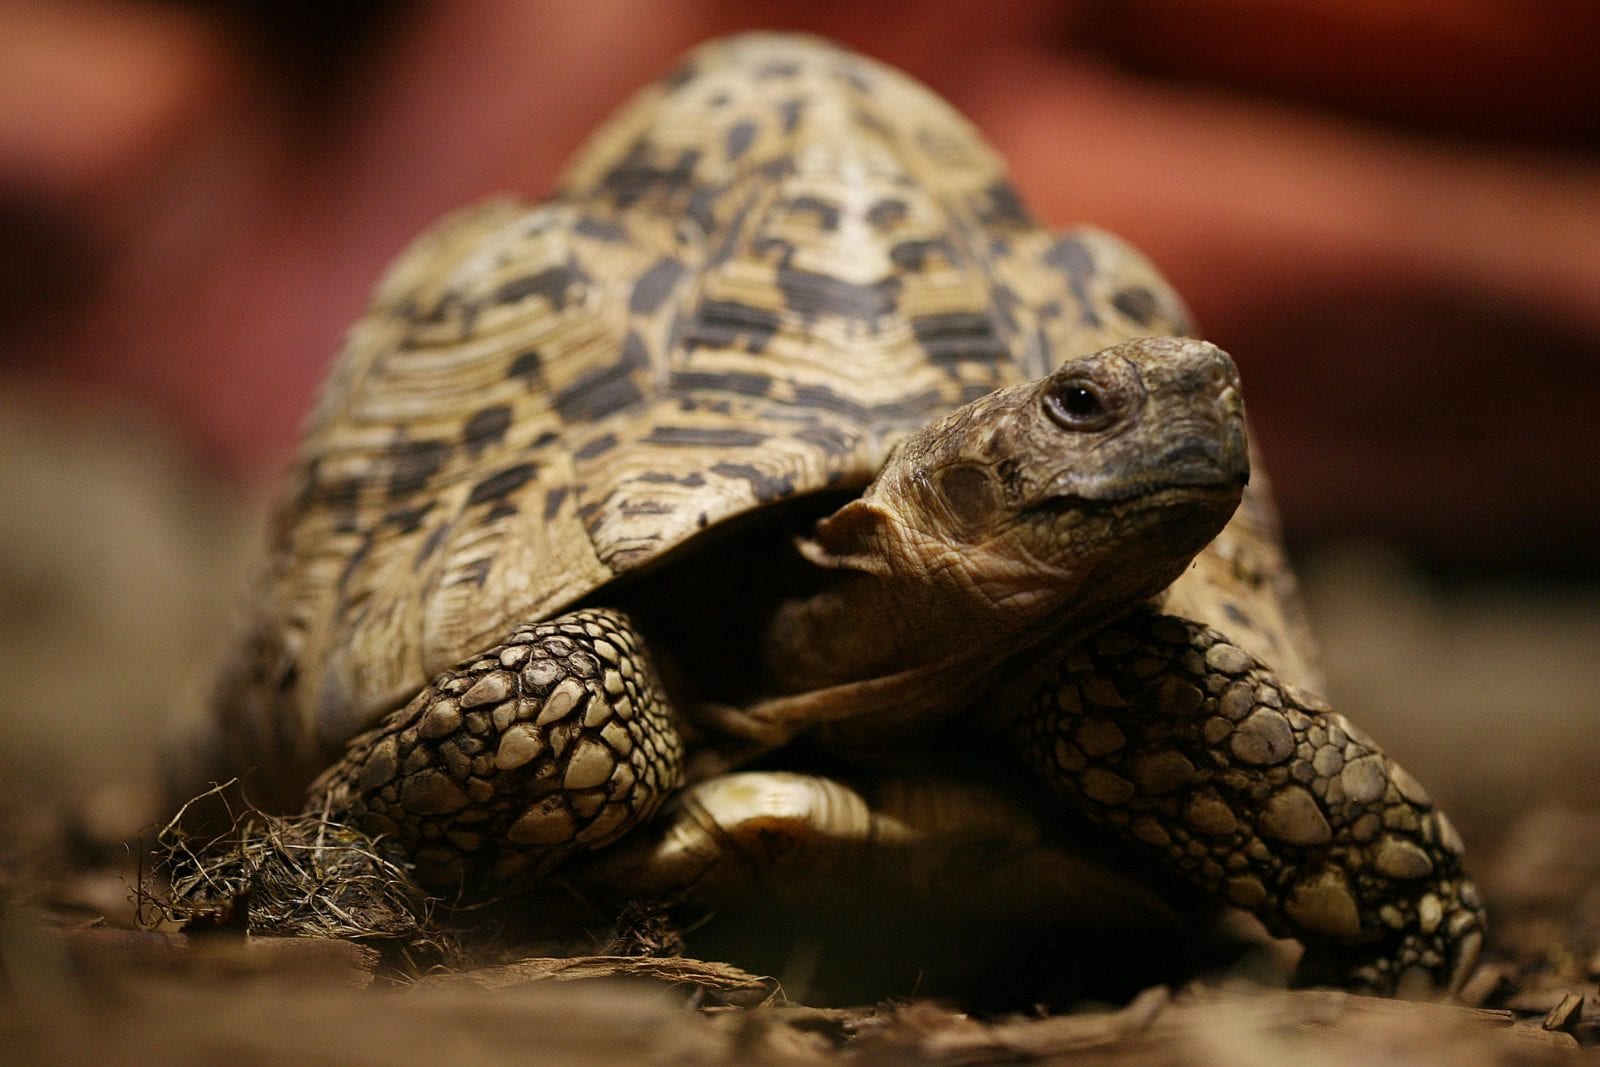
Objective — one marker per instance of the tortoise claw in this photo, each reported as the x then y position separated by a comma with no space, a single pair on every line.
1413,963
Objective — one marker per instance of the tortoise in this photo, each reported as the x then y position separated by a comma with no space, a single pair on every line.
783,425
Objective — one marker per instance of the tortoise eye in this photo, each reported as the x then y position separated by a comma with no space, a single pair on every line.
1077,405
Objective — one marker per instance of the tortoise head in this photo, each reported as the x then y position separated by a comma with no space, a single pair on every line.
1069,498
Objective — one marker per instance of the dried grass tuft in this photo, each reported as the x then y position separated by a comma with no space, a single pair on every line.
289,876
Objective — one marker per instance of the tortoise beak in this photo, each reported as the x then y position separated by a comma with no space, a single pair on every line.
1207,444
1214,452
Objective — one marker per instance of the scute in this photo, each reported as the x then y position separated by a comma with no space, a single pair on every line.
738,295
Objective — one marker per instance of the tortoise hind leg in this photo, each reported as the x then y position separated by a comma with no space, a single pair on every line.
967,843
554,742
1256,792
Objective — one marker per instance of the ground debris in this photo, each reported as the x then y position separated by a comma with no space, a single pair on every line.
1544,887
710,983
1533,1004
1491,983
937,1035
131,996
1205,1027
104,956
288,876
179,1000
1565,1014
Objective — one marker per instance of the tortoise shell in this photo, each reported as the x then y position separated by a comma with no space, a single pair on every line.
762,272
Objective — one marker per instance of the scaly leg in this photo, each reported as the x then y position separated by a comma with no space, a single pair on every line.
1254,791
557,741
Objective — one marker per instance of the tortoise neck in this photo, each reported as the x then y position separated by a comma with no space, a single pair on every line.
861,626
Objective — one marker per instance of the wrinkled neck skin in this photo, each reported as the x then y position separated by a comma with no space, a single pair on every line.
954,603
863,625
931,627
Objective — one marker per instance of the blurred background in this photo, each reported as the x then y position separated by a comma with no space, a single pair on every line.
1390,214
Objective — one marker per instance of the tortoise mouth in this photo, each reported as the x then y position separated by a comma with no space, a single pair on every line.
1126,498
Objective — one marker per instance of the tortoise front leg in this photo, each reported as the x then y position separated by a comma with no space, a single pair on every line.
556,741
1254,791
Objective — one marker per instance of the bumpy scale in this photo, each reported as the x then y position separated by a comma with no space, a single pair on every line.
1257,792
557,740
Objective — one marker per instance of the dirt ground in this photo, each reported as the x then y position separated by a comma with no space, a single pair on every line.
110,580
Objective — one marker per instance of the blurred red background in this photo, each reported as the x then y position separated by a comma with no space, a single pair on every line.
1389,213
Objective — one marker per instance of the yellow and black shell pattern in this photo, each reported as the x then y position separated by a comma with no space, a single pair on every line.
763,271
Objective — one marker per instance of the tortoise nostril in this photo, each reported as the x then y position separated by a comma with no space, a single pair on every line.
1193,453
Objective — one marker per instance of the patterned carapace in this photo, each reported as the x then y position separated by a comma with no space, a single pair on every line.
756,278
